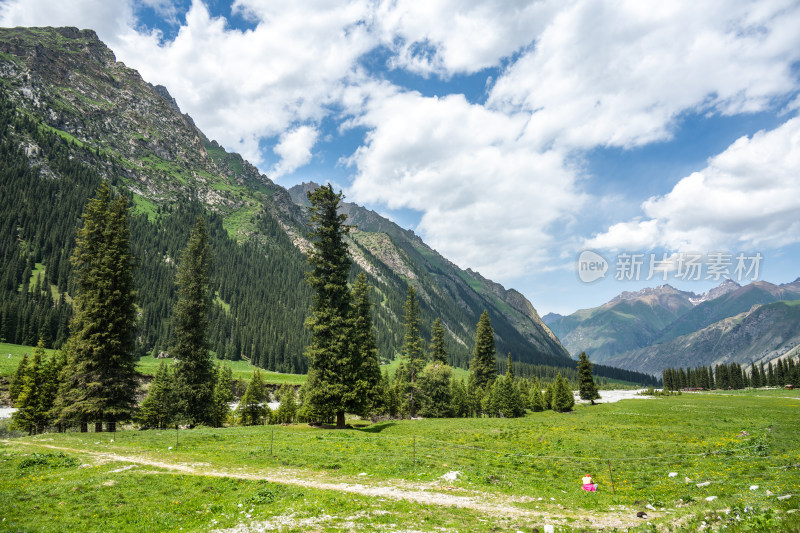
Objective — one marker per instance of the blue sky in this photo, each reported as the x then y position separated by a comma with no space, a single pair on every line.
511,135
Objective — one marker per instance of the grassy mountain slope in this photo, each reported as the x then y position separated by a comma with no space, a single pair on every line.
75,116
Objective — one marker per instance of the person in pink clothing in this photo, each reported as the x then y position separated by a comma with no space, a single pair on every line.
588,484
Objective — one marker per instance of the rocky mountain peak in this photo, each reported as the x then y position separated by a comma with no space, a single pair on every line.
720,290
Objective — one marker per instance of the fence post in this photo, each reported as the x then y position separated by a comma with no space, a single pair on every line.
612,478
415,450
271,438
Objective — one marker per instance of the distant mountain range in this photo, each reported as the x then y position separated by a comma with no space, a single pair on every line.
73,115
663,327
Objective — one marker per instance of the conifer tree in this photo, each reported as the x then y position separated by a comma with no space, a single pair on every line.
159,408
287,410
18,380
483,367
412,351
100,379
194,369
437,350
31,413
586,385
563,399
329,385
252,410
536,397
223,395
507,399
366,371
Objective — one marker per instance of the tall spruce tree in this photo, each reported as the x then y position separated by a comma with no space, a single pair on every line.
330,387
31,413
18,380
223,395
562,397
586,385
437,350
412,352
366,367
483,367
100,379
194,369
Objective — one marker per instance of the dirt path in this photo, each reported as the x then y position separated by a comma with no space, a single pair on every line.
491,505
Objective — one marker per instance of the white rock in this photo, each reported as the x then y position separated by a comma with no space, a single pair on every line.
451,476
549,528
785,497
770,493
648,506
704,484
673,474
753,487
711,498
362,474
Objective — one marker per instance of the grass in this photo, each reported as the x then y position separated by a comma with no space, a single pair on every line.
241,370
733,441
147,366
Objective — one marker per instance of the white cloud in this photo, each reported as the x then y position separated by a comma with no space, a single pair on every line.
459,36
294,149
747,196
487,199
106,17
621,73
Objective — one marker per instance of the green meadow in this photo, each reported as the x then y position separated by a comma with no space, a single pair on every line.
717,461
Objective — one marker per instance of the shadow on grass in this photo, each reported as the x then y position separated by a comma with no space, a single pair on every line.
377,427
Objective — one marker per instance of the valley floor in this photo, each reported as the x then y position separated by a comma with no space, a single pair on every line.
729,460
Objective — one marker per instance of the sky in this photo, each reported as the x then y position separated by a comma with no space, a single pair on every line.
570,149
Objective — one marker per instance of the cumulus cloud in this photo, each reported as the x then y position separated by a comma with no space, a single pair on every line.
749,195
459,36
621,73
494,182
294,149
487,199
106,17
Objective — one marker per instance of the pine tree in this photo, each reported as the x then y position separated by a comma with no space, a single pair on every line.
194,369
508,402
159,408
536,397
412,351
563,399
223,395
100,379
437,350
18,381
366,371
287,410
251,410
483,367
586,385
330,390
31,413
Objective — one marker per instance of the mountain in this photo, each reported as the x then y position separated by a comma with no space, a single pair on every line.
761,334
731,300
631,320
71,115
378,243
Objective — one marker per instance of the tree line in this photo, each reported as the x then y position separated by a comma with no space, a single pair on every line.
785,371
